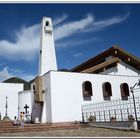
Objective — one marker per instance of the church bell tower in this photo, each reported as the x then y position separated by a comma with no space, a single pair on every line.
47,58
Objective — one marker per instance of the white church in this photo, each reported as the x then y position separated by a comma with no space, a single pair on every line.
57,96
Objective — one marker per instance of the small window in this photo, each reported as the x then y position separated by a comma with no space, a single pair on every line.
34,89
47,23
107,90
87,89
124,91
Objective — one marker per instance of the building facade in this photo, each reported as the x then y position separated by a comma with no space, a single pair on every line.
57,96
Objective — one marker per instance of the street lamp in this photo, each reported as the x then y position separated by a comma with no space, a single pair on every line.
132,91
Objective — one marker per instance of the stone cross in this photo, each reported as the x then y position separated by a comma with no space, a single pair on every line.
26,107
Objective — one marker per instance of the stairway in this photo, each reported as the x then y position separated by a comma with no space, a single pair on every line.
7,127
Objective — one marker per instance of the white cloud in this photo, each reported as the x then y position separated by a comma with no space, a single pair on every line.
27,77
77,54
27,40
98,25
7,73
72,27
59,20
25,47
4,74
91,26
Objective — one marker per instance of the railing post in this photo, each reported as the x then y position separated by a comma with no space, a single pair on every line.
109,115
128,113
90,114
135,111
86,116
121,115
83,120
95,115
115,114
104,117
99,117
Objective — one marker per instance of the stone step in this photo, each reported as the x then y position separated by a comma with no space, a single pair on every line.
34,129
5,122
37,126
30,129
16,129
6,125
3,127
26,124
40,127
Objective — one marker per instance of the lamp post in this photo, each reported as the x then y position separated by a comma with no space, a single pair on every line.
132,91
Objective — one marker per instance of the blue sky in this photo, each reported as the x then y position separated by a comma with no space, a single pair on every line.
81,31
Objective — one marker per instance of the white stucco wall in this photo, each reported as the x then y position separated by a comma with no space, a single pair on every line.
122,69
66,92
11,91
24,97
47,114
125,69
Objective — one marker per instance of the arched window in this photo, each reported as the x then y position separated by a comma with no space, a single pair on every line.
87,89
47,23
107,90
124,90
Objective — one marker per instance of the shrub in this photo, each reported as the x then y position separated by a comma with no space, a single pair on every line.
113,119
92,119
131,118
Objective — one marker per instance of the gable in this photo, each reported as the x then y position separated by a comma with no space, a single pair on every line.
108,59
